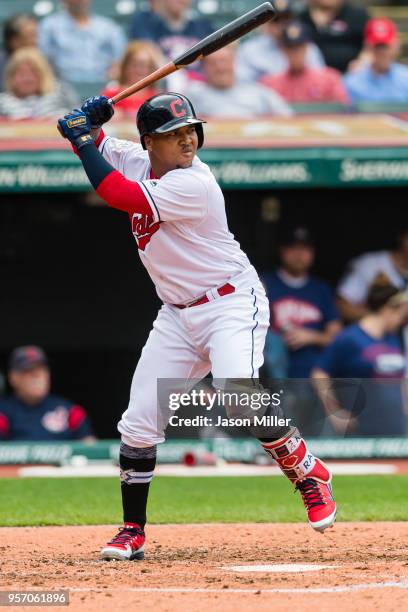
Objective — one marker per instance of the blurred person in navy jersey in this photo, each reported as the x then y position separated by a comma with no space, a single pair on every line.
82,46
337,29
31,413
302,306
368,356
169,25
19,31
304,320
381,78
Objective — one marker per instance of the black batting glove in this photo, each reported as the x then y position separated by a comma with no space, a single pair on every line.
76,126
99,110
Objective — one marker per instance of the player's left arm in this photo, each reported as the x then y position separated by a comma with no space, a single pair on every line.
118,191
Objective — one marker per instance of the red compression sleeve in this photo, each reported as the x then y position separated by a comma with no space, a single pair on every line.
123,194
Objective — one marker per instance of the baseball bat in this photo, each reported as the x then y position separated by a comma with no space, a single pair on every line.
219,39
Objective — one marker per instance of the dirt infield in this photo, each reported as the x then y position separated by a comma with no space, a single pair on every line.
188,567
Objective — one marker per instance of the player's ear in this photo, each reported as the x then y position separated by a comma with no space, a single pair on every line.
148,142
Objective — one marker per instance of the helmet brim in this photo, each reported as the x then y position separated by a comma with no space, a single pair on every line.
175,124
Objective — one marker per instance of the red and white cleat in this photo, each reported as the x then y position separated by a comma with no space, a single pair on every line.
317,495
127,545
309,475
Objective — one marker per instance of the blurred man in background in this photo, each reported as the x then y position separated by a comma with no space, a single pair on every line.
31,413
262,54
304,320
300,83
381,79
302,306
19,31
169,25
337,29
370,351
82,47
222,96
368,268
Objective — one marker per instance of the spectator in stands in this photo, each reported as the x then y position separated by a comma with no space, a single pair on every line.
302,306
299,83
18,31
337,29
222,96
169,25
304,320
140,59
383,79
363,271
369,350
31,88
263,55
31,413
82,46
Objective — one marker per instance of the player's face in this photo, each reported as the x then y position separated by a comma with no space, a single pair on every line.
32,385
172,150
297,259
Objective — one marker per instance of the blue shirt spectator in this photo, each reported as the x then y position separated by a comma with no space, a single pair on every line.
170,27
367,85
383,80
81,46
370,350
31,413
302,306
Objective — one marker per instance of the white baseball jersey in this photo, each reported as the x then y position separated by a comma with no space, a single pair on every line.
185,243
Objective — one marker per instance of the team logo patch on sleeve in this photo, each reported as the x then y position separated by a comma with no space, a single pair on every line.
143,228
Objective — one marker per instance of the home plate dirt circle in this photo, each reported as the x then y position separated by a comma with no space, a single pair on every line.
184,568
288,568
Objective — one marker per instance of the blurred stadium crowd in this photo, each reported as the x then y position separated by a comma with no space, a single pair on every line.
315,52
329,53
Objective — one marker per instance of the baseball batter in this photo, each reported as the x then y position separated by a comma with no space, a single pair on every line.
215,313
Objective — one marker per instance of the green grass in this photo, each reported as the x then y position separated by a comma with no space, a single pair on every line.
92,501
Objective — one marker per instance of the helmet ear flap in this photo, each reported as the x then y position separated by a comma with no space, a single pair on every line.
200,134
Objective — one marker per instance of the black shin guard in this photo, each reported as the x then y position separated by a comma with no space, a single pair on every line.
136,472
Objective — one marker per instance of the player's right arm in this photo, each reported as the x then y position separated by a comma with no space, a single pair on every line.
178,195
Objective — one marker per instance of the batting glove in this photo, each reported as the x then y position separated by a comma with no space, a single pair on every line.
76,127
98,109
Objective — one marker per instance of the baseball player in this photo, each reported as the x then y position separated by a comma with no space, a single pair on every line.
215,313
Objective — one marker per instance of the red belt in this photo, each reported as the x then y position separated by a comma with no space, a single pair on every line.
224,290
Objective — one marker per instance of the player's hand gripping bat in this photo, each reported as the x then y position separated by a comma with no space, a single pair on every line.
219,39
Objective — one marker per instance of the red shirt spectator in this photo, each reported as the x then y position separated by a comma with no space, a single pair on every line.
300,83
140,59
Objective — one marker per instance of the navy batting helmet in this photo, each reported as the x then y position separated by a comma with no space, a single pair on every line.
165,113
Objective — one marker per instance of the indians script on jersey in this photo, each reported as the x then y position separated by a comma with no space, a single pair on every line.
186,229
